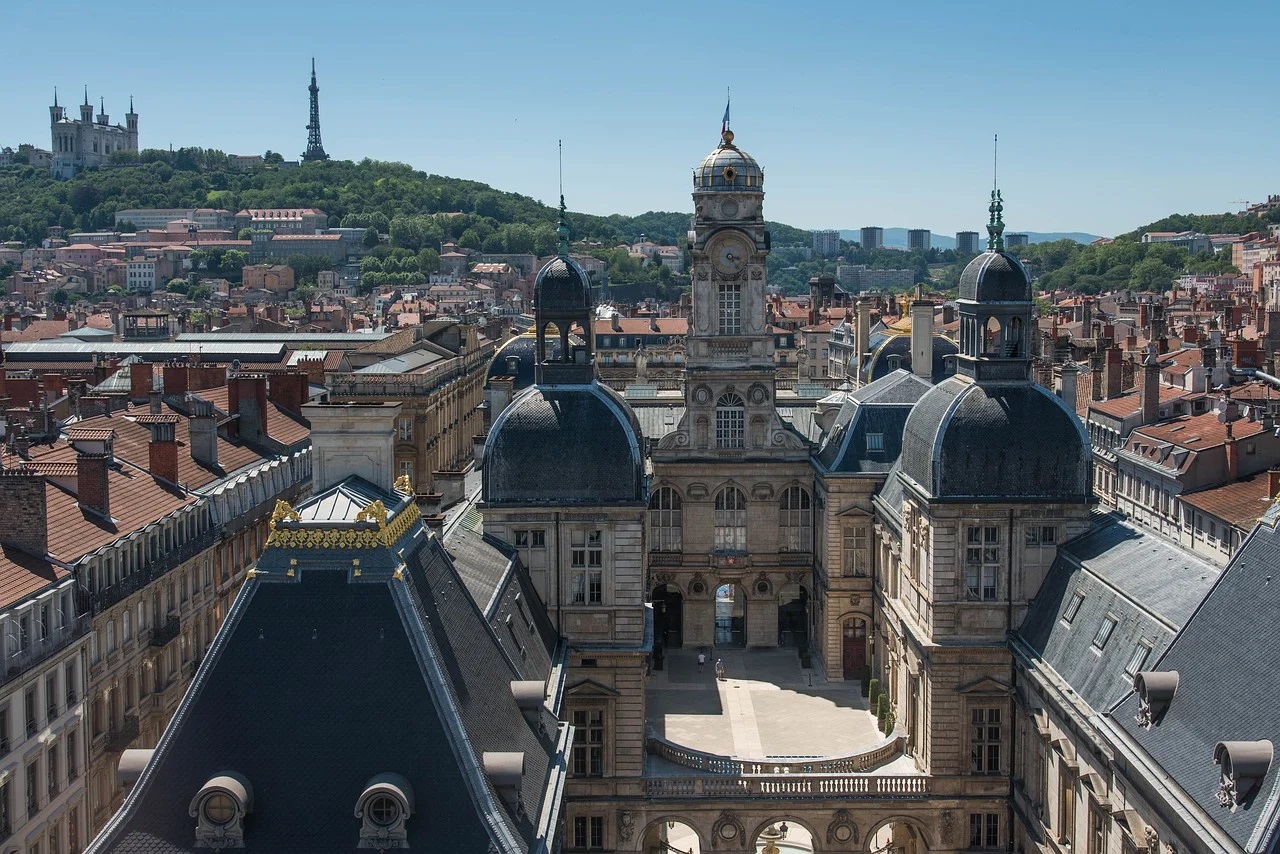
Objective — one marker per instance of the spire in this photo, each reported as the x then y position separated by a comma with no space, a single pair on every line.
86,94
130,103
562,232
102,105
55,96
995,227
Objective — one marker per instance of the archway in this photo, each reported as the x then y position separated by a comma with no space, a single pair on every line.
731,616
668,616
784,836
793,616
897,836
854,648
670,836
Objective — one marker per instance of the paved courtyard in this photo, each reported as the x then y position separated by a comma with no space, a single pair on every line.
767,706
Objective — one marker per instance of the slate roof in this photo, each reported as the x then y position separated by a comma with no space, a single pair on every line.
318,682
880,408
562,286
966,440
1148,585
995,277
888,345
563,444
1225,657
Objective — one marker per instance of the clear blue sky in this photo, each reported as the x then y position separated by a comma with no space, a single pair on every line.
1110,115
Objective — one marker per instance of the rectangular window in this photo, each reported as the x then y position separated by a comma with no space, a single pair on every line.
538,539
730,306
1042,535
73,741
855,552
875,441
33,791
984,747
51,770
1108,626
984,830
406,469
1066,806
1073,607
1097,830
404,427
522,539
587,561
731,427
588,832
982,562
1137,658
588,743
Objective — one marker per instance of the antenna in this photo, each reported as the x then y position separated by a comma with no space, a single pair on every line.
560,156
995,162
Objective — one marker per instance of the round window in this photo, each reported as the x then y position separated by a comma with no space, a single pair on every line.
762,587
219,808
383,810
698,587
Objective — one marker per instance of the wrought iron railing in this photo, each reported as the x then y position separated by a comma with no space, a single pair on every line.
39,651
119,739
105,597
164,633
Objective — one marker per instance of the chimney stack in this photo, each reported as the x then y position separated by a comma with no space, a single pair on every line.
1114,372
1273,484
352,438
922,339
247,399
1149,390
1067,384
204,431
861,338
23,508
140,382
93,458
163,448
289,391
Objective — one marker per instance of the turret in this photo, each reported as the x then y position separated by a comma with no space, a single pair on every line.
86,109
56,113
131,125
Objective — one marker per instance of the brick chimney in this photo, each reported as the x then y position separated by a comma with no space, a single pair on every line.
1273,483
289,391
204,431
140,382
163,447
248,400
93,457
23,508
1114,372
1149,387
176,380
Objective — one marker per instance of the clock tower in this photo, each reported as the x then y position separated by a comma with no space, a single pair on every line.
730,371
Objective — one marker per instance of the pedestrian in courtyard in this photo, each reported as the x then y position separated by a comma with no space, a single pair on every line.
702,661
720,669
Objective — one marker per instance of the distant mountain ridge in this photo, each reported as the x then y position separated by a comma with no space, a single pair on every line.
896,238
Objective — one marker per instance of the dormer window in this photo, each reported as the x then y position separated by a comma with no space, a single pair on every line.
1244,765
219,809
384,806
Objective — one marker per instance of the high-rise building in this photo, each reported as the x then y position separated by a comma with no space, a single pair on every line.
872,237
826,241
89,141
919,239
967,242
315,150
1013,240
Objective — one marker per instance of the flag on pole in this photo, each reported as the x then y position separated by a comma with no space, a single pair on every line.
724,123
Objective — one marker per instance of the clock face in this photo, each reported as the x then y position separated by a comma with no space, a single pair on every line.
730,255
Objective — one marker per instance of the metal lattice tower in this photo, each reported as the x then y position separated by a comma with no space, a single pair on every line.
315,150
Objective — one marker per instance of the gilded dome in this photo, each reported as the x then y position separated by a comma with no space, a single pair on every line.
728,168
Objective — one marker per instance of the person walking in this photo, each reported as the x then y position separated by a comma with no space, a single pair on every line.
702,661
720,669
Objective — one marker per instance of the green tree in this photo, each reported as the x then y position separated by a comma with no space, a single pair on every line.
272,158
1151,274
469,239
177,286
371,238
234,261
244,234
429,261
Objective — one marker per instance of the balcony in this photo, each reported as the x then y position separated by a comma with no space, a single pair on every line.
791,786
37,652
166,632
153,569
119,739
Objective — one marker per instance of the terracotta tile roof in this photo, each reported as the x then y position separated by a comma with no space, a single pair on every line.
137,500
1197,432
641,326
284,428
1241,503
276,237
85,431
38,330
1127,403
22,575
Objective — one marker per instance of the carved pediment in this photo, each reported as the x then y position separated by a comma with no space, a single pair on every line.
591,688
985,685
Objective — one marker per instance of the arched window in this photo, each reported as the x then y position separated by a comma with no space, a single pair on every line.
795,518
731,520
731,421
1013,338
666,512
991,338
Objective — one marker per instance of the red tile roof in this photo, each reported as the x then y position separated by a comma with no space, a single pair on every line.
22,575
1241,503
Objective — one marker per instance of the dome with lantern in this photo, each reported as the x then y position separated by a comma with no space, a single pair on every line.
728,168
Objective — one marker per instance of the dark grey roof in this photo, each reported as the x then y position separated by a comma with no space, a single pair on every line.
1226,658
318,682
1148,585
562,286
564,444
746,173
891,496
995,277
880,408
888,347
966,440
525,349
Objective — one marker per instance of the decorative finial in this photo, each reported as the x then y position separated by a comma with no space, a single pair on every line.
55,96
86,94
726,135
995,227
102,105
131,103
562,227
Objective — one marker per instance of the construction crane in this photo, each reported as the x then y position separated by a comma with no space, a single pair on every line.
1244,202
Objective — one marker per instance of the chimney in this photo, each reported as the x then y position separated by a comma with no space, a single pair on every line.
1149,390
140,382
1233,459
155,404
1067,384
1095,376
247,399
615,322
861,337
204,431
1273,484
289,391
948,312
176,379
93,458
922,339
163,448
352,439
1114,372
23,507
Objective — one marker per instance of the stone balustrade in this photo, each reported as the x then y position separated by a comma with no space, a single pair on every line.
712,763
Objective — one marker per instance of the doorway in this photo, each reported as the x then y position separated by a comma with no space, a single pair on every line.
793,616
668,616
855,648
731,616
